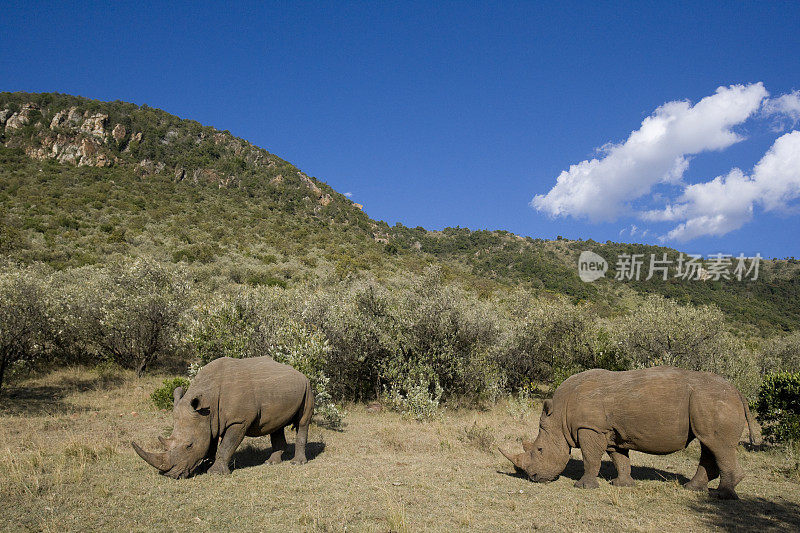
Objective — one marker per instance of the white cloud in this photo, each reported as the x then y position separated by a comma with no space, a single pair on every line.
601,189
348,194
787,105
727,202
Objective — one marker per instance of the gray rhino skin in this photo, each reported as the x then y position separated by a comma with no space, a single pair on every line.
656,410
228,400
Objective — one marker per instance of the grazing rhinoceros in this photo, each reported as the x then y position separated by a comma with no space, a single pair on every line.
654,410
231,398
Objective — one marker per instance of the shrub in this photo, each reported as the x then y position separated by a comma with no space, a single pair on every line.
128,313
251,324
780,353
162,396
359,322
521,404
659,331
416,399
306,350
445,331
220,330
778,407
23,319
548,339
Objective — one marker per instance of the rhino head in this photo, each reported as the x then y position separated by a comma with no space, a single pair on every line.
546,457
190,441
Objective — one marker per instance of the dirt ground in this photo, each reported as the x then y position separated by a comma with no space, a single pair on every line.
66,465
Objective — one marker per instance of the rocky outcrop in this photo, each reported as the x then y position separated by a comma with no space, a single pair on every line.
322,197
21,117
83,152
310,184
212,177
147,167
118,132
87,138
95,125
67,118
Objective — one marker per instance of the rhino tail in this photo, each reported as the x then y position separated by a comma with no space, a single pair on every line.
306,410
752,425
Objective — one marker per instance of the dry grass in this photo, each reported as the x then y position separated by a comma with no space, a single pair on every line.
66,465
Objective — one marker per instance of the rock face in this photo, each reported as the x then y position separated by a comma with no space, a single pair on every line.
21,117
95,125
71,134
322,197
118,132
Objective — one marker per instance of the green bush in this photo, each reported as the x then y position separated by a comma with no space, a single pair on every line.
307,350
417,399
220,330
779,407
162,396
547,340
129,313
24,324
255,322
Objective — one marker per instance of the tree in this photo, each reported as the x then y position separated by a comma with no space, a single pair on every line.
131,313
23,319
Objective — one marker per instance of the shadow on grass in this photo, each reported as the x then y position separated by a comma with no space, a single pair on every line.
250,456
574,470
49,399
749,514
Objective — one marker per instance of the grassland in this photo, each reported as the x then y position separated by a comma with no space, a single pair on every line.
66,465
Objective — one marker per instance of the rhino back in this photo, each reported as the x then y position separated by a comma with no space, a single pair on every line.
262,392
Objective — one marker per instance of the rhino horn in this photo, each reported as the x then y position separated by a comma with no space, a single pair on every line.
513,458
156,460
527,445
164,442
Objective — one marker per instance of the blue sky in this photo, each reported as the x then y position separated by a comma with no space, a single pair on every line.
461,113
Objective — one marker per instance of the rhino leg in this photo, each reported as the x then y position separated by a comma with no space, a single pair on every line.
278,440
300,445
623,465
718,425
231,439
593,446
706,471
730,474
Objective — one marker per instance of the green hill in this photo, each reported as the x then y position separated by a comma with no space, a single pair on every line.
84,182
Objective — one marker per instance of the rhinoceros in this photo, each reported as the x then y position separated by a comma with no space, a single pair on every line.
656,410
228,400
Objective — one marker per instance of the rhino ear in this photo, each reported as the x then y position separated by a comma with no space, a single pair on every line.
177,394
547,407
200,406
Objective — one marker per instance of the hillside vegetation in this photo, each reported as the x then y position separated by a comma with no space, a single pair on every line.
132,236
